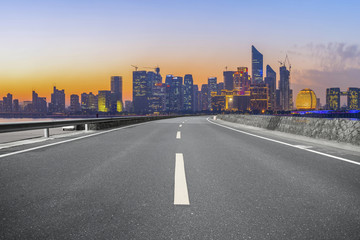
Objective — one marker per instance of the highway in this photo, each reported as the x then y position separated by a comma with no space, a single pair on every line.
181,178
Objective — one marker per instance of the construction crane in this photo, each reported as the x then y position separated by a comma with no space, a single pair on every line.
286,61
136,67
157,69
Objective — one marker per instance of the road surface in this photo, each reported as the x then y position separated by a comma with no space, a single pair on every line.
182,178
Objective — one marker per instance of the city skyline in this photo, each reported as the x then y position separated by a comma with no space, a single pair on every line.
40,49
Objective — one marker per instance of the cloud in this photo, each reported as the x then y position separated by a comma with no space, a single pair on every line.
333,56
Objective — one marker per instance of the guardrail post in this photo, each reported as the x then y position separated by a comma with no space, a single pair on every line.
86,127
46,132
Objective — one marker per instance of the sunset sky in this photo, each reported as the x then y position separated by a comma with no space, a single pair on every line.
78,45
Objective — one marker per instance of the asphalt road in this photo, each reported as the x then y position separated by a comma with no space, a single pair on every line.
160,180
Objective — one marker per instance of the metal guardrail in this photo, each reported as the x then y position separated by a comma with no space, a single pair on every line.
46,125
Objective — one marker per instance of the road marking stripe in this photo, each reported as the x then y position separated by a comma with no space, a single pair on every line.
288,144
178,135
181,196
69,140
180,125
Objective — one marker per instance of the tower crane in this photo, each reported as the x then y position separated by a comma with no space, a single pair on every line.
136,67
286,62
157,69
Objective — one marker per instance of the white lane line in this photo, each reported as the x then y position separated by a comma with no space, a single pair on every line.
288,144
69,140
181,196
178,135
180,125
183,122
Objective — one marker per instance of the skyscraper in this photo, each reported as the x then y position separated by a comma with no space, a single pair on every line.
74,103
229,80
212,87
241,80
140,92
8,103
195,98
220,86
116,94
57,103
257,65
188,93
176,94
38,104
204,97
270,80
104,101
284,87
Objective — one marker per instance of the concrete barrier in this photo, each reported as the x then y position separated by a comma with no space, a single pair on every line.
338,129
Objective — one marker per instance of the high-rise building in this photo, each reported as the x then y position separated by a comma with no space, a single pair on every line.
104,101
259,97
212,87
57,104
257,65
176,94
220,86
188,93
89,102
204,97
140,92
157,101
229,80
8,103
195,98
242,81
270,80
38,104
353,99
116,94
285,91
16,107
74,103
333,98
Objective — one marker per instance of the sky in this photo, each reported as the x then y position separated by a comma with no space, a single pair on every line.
79,45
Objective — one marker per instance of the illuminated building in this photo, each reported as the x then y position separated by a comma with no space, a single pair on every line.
217,102
104,101
176,94
353,99
259,97
204,97
157,99
270,80
89,102
229,80
57,104
242,80
220,86
306,100
212,88
140,92
116,94
195,98
285,98
188,93
333,98
74,103
257,65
